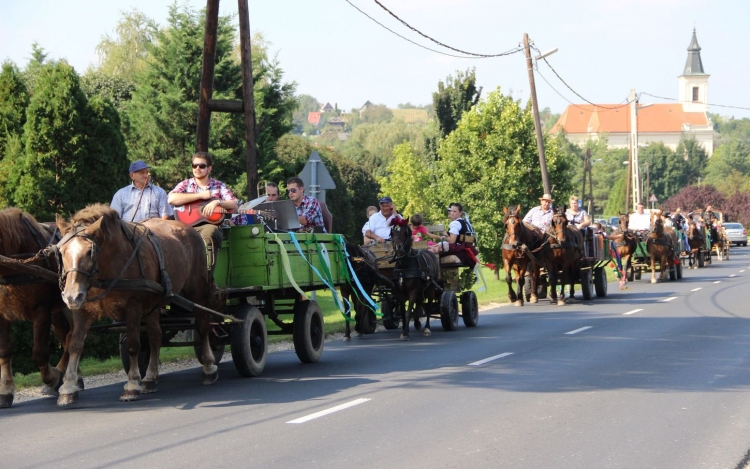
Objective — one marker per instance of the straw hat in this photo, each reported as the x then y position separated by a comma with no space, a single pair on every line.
547,197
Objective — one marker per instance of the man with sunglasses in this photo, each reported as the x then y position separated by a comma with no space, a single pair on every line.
203,187
308,209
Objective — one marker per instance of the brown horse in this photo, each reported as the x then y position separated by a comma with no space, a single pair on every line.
149,260
696,241
661,245
566,250
722,243
519,239
626,244
27,298
364,266
414,277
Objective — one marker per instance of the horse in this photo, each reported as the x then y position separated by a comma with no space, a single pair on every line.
626,246
24,297
722,243
415,276
150,261
661,244
365,267
566,249
519,238
696,241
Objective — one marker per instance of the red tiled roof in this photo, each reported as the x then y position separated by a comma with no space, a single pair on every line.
313,118
587,118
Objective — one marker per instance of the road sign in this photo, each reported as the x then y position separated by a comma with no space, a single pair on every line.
653,198
316,177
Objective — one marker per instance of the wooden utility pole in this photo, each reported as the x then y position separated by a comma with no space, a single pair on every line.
587,169
537,123
206,104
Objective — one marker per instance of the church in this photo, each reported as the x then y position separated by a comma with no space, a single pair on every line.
666,123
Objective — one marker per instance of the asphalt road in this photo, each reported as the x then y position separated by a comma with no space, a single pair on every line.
655,376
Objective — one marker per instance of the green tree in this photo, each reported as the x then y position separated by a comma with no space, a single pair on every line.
376,113
124,55
117,90
371,145
13,101
490,161
31,72
407,181
454,97
729,167
74,153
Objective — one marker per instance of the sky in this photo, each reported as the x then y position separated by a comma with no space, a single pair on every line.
336,54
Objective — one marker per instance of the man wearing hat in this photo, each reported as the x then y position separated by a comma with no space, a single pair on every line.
141,199
379,228
541,216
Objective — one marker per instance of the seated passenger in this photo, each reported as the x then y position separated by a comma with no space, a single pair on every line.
419,232
370,211
577,216
457,243
541,216
379,229
639,220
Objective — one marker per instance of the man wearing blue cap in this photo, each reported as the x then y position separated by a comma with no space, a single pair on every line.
141,199
380,229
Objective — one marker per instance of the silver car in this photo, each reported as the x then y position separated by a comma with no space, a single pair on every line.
736,233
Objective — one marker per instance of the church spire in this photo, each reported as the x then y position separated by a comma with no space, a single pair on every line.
694,65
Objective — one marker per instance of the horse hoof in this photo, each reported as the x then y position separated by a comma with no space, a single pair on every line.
518,303
347,339
211,377
561,302
148,387
405,337
360,335
653,280
130,395
67,399
533,299
426,332
6,400
50,391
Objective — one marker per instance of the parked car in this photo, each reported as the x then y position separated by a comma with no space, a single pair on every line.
614,222
736,233
605,224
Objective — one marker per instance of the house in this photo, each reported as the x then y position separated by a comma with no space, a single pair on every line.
327,108
336,123
666,123
313,118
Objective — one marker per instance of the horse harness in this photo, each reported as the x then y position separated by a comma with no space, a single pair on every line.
128,284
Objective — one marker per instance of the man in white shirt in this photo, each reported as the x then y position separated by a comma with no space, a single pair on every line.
380,222
639,220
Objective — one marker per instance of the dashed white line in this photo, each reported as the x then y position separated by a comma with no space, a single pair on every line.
718,281
578,330
696,289
669,299
329,411
742,270
733,275
482,362
632,312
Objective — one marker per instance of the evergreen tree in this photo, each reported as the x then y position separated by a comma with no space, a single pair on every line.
13,101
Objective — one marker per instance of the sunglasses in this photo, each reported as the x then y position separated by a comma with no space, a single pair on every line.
200,165
291,191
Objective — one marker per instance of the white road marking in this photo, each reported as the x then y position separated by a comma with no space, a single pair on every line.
718,281
669,299
482,362
632,312
742,270
578,330
733,275
696,289
329,411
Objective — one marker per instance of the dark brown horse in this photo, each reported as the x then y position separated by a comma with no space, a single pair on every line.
520,238
566,249
414,277
26,298
661,245
626,243
98,251
365,268
696,241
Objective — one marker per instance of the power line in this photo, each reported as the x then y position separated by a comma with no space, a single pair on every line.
407,39
605,109
509,52
707,104
578,94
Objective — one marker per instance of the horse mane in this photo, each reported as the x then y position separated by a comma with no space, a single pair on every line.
12,229
91,214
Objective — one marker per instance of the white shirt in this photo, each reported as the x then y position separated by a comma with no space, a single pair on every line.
454,227
639,221
379,225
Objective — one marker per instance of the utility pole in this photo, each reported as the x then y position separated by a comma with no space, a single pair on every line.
634,166
537,123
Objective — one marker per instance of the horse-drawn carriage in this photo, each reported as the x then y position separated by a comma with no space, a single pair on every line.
452,286
657,249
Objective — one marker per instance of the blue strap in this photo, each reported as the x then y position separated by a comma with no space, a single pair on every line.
336,300
372,304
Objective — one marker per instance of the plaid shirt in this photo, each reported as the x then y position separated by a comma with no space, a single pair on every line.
217,188
310,209
539,218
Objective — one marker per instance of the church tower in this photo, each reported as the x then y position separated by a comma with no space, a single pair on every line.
693,83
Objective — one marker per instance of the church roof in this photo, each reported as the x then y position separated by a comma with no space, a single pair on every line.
657,118
694,64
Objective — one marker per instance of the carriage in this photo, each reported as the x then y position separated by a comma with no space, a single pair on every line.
454,288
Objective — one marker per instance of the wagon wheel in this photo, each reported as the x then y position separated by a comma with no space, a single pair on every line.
309,335
249,341
143,355
600,282
587,284
631,274
638,273
216,349
449,311
678,267
672,271
368,321
541,287
701,259
389,322
469,309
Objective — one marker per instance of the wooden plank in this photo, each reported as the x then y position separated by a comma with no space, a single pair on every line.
251,136
207,75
